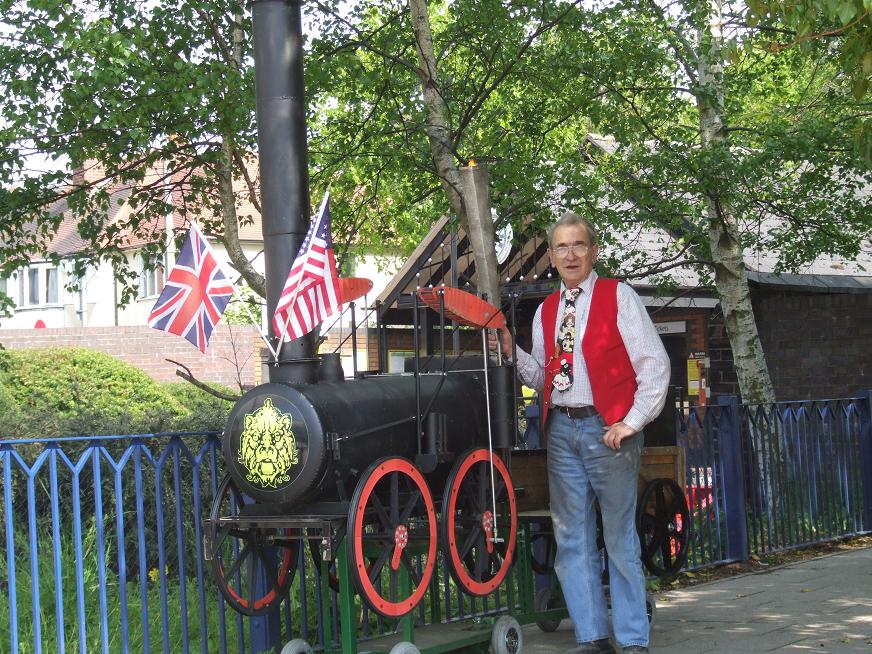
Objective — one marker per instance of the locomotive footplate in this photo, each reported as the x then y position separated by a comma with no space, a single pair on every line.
323,522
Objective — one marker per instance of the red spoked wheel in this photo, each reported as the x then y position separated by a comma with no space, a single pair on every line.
253,567
392,535
479,522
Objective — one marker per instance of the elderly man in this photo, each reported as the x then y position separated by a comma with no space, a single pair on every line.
603,374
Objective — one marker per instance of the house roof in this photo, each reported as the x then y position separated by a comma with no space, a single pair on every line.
527,271
68,241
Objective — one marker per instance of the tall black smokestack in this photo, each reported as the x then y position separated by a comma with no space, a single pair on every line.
284,161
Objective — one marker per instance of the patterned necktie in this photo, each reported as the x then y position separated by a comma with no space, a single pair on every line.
566,339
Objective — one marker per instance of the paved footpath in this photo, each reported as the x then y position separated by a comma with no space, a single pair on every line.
819,605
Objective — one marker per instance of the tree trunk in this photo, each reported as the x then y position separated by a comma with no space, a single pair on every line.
731,278
442,148
230,237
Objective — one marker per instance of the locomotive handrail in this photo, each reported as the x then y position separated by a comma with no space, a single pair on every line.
386,425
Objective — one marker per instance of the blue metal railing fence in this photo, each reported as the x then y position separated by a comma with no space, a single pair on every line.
768,478
101,538
101,550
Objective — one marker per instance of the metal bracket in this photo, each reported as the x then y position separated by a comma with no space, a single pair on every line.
333,444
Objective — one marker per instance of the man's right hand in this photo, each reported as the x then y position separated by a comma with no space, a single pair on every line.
505,340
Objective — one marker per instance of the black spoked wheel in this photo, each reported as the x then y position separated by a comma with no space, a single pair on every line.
392,537
253,567
544,551
479,522
663,523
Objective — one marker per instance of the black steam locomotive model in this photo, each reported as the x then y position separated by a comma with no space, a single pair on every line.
397,464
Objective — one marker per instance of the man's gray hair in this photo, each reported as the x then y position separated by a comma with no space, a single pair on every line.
570,219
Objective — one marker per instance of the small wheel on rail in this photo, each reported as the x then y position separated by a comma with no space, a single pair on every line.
392,536
650,608
479,522
507,637
663,523
251,578
546,599
297,646
404,647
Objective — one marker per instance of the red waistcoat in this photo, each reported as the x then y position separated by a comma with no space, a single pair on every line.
612,378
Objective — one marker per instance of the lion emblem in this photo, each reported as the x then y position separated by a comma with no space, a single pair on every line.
267,447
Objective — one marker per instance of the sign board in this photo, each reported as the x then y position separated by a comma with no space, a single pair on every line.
672,327
697,362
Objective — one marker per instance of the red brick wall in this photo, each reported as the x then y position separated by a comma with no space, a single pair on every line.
817,345
230,348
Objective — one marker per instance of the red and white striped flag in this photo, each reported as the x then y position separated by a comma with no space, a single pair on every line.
311,293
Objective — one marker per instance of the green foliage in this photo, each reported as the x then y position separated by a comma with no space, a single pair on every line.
244,308
75,391
149,90
844,23
205,412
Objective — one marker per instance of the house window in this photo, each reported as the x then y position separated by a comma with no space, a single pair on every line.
51,285
33,286
38,286
151,278
397,359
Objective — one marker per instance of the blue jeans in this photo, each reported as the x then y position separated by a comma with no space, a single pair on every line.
582,470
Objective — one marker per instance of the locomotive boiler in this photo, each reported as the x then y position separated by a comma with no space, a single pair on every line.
288,445
400,465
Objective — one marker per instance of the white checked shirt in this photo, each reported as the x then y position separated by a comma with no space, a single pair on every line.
643,344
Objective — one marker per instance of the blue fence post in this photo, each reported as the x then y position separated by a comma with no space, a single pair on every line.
865,409
266,629
733,478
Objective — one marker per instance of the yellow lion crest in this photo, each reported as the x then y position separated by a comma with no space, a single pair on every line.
267,447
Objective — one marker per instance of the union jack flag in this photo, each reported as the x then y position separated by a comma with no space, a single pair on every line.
195,295
311,293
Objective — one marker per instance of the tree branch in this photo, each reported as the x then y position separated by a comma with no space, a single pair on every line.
188,376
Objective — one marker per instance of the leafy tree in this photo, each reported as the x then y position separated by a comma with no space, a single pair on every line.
725,144
844,23
160,94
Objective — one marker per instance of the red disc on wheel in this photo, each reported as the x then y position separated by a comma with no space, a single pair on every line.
392,536
479,521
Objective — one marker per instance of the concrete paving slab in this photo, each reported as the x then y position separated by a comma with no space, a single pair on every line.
822,605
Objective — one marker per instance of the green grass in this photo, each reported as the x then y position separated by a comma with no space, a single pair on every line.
136,630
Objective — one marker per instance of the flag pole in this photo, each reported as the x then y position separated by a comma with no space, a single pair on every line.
256,323
293,301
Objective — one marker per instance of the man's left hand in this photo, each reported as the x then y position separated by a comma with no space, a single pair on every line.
617,433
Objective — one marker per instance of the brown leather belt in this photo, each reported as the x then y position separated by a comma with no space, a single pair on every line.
576,412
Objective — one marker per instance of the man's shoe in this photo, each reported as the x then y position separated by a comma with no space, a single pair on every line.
635,649
601,646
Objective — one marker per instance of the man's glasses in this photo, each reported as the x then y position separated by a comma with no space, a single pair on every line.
578,249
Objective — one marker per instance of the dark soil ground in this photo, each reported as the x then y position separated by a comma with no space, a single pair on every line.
763,563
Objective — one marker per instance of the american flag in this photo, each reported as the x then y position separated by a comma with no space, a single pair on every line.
311,293
195,295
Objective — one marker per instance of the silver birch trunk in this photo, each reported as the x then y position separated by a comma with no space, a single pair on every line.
731,278
442,148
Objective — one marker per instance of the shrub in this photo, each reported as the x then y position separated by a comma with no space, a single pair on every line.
75,391
205,412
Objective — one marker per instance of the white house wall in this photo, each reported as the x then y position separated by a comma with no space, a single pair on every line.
98,307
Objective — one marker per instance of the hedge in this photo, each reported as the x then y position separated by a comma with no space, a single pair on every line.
68,391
